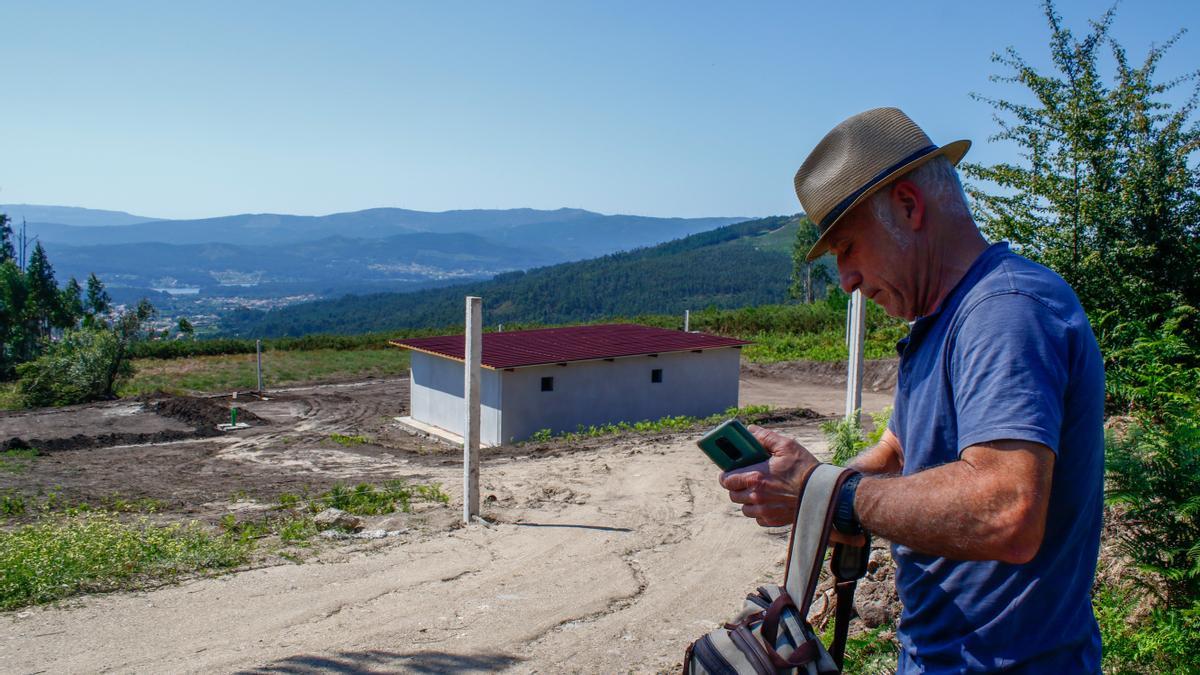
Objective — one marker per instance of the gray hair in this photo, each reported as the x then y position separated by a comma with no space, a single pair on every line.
939,183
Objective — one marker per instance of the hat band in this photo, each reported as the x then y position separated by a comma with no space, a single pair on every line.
836,212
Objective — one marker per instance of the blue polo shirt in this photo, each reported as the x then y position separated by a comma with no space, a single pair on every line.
1009,354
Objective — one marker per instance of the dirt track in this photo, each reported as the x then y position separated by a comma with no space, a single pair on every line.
604,557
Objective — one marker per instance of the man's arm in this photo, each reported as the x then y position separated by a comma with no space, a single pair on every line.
885,457
991,504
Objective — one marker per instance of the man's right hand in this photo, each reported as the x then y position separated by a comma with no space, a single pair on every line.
768,491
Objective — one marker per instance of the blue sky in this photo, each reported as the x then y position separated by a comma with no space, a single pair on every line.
182,110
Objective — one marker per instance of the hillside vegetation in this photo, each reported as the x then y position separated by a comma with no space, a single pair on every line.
737,265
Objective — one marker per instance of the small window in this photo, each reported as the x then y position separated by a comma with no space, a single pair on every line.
547,384
656,375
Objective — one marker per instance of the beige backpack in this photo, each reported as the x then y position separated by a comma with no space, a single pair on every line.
772,633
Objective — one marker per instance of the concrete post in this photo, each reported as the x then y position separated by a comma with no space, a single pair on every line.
856,331
472,364
687,320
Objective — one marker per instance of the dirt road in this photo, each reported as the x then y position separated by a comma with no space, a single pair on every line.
606,558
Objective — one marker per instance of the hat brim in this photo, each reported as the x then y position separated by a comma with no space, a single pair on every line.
951,151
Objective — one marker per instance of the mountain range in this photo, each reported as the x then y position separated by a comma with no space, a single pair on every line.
264,255
746,263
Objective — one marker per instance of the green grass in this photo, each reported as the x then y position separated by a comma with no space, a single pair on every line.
365,499
10,396
1162,641
66,555
675,423
280,368
872,651
829,345
347,441
17,460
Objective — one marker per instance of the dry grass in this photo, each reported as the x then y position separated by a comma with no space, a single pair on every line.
280,368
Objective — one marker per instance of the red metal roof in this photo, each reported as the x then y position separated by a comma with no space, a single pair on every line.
515,349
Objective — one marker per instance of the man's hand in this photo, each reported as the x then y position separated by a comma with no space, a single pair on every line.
768,491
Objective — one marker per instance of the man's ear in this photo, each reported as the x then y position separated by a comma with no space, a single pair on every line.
908,201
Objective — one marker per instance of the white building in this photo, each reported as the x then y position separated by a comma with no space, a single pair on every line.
560,378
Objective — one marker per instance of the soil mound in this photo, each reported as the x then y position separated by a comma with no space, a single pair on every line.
85,442
202,413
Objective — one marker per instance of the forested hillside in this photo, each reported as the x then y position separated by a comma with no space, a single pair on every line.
747,263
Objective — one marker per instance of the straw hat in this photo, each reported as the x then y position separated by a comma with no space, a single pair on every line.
857,158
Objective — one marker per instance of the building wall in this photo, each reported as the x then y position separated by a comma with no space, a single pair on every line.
436,396
599,392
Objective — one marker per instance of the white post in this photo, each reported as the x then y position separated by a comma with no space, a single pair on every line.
472,364
687,320
258,356
856,330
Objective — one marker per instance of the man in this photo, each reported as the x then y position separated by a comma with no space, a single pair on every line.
989,478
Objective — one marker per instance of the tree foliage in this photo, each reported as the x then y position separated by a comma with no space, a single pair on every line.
97,304
1106,193
808,277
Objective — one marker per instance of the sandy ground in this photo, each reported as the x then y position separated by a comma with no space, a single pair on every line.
607,556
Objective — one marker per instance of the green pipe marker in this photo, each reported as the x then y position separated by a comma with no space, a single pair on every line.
233,416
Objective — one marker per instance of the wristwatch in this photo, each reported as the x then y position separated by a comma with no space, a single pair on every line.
844,518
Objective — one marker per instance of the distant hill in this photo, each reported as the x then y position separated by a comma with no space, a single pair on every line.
70,215
742,264
318,266
385,249
514,227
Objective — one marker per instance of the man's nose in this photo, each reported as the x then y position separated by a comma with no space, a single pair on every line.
850,279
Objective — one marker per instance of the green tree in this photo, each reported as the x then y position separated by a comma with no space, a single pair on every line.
186,328
70,305
807,276
1105,193
97,303
44,297
18,325
7,250
127,328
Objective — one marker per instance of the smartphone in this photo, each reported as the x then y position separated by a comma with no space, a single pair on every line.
732,446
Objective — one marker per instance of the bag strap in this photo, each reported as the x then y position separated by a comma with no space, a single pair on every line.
810,534
810,538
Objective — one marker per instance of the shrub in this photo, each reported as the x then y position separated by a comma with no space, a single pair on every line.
1164,641
77,369
1154,476
1152,369
846,436
365,499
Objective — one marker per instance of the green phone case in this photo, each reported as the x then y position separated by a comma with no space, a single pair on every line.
732,446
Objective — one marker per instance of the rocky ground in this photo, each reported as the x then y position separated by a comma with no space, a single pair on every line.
603,555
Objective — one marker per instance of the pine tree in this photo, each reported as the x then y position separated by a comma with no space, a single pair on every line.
44,298
70,305
7,251
97,303
19,329
807,276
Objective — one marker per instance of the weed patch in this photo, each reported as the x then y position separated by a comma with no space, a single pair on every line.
347,441
365,499
67,555
17,460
